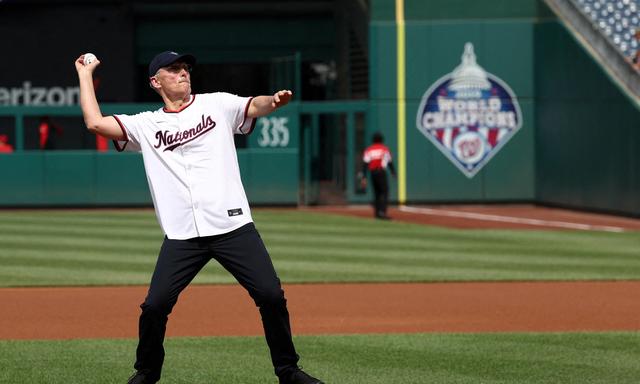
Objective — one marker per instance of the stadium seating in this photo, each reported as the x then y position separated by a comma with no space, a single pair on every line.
618,20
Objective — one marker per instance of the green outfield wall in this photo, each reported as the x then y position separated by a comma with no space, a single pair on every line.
579,140
576,143
587,133
502,33
89,178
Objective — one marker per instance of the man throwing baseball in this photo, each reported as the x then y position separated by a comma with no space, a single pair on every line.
192,169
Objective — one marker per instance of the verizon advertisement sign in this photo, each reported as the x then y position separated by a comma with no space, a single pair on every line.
50,79
31,95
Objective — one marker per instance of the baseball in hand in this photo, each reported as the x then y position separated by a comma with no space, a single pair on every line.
89,58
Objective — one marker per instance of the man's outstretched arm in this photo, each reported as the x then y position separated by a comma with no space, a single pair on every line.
264,105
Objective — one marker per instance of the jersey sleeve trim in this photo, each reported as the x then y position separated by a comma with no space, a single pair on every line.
252,125
116,143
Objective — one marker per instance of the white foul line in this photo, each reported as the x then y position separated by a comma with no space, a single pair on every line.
509,219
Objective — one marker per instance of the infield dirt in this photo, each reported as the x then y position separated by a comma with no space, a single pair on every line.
105,312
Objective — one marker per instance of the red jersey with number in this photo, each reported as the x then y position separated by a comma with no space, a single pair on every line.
377,156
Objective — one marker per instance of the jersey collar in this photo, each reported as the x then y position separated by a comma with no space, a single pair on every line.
193,98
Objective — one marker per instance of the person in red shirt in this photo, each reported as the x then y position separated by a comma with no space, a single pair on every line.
48,132
376,159
5,147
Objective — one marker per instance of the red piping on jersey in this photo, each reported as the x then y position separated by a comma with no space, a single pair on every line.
193,98
124,132
246,111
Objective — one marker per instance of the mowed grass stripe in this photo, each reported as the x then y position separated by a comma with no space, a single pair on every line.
94,246
57,276
435,258
348,272
621,250
82,231
15,276
79,264
444,238
89,244
40,255
99,218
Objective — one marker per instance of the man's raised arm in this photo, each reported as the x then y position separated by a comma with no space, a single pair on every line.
105,126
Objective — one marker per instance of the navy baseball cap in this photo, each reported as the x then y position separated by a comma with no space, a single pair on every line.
167,58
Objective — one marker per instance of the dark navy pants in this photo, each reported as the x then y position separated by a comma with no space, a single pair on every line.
380,191
243,254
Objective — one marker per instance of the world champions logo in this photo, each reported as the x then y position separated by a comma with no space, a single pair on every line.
469,114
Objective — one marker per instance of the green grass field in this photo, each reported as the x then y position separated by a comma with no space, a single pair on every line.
105,247
51,248
573,358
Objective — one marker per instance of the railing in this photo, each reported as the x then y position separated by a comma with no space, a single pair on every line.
20,112
311,132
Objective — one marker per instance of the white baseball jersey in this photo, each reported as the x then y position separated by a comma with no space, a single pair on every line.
191,163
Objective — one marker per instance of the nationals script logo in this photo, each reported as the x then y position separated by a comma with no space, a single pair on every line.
176,139
469,114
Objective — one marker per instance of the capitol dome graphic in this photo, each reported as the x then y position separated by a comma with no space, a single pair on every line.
469,77
469,114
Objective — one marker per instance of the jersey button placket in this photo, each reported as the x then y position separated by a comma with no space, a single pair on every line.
188,170
184,154
192,190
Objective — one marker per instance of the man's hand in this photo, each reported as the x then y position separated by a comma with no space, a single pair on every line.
264,105
362,180
89,68
363,183
281,98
